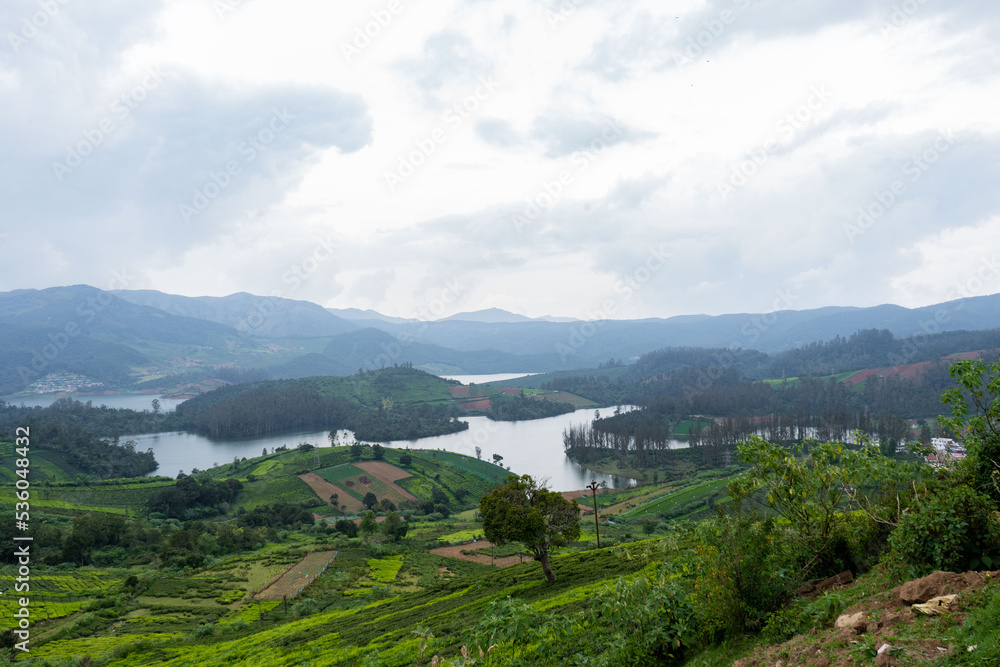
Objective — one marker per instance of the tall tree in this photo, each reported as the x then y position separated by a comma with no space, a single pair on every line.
521,511
368,525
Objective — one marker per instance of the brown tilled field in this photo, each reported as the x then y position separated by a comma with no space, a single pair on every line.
298,576
324,490
459,550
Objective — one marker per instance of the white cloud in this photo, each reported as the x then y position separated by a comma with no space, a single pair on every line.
490,116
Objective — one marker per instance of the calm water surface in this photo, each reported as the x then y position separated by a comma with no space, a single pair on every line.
483,379
529,447
138,402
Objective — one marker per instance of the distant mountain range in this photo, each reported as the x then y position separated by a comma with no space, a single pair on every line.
108,335
264,317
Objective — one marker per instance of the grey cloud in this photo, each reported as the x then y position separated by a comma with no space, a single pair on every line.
372,287
88,164
497,132
565,133
632,193
644,42
449,66
640,41
786,229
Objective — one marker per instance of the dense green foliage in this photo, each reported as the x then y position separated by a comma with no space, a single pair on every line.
518,408
189,499
975,404
78,449
699,593
390,404
99,419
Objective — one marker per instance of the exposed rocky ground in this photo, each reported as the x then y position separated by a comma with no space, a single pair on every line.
890,629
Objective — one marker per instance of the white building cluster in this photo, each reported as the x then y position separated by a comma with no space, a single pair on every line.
946,450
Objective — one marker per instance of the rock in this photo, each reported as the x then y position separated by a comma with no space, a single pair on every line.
849,620
933,585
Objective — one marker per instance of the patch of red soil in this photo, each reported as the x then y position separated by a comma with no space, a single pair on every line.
861,376
459,392
459,551
907,371
325,489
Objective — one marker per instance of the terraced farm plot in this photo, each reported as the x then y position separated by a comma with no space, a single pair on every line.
387,473
298,576
487,471
56,596
65,649
679,499
325,489
472,552
359,479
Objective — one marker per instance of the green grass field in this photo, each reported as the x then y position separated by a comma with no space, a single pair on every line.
685,425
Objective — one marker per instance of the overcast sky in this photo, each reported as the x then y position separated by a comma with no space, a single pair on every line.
577,158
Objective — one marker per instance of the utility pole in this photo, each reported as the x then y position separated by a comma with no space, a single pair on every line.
593,487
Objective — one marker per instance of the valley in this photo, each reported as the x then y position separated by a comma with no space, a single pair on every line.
340,519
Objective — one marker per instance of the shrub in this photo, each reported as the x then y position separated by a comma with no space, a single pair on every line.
237,626
748,567
304,608
347,527
203,630
952,530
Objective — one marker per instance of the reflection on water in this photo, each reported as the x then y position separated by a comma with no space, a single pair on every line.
529,447
483,379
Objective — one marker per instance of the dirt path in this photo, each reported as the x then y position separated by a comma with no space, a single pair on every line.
324,490
298,576
388,474
482,559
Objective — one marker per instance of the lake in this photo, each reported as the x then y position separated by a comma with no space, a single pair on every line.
532,447
529,447
483,379
138,402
